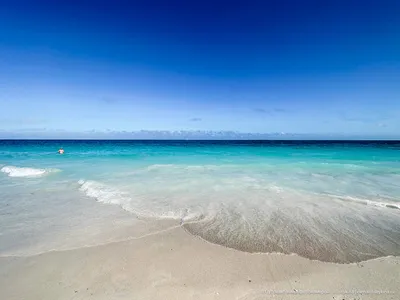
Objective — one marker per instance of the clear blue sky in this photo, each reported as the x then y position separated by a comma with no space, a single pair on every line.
252,66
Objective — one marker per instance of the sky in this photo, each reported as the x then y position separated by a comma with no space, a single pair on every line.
300,67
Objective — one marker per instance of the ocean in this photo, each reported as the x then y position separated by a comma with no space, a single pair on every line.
335,201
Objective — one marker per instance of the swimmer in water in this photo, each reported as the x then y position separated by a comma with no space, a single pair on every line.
61,151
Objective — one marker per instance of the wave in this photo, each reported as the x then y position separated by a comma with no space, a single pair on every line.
143,208
13,171
382,204
105,194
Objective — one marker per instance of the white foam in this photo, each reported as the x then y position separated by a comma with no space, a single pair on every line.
25,172
381,204
104,194
109,195
146,209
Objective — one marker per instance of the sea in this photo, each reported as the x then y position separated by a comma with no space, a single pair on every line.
334,201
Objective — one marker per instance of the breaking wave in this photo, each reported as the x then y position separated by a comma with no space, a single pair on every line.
107,194
381,204
13,171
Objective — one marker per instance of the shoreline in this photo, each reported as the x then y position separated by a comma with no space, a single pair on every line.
195,236
173,264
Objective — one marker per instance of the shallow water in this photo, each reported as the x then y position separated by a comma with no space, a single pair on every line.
332,201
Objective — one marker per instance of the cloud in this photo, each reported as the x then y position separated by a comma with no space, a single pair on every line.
176,135
280,110
195,119
260,110
382,125
269,111
108,100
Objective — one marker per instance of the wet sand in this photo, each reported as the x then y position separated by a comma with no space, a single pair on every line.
173,264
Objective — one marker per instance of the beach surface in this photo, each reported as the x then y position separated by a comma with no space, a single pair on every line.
199,220
172,264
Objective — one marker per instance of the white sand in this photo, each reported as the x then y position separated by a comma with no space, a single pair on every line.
175,265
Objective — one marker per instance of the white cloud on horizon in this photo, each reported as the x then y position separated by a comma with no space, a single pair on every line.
179,134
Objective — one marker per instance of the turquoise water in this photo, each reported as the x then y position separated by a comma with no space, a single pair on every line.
332,201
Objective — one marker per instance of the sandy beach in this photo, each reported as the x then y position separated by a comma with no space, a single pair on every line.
172,264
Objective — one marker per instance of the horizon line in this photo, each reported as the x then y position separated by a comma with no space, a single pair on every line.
207,140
